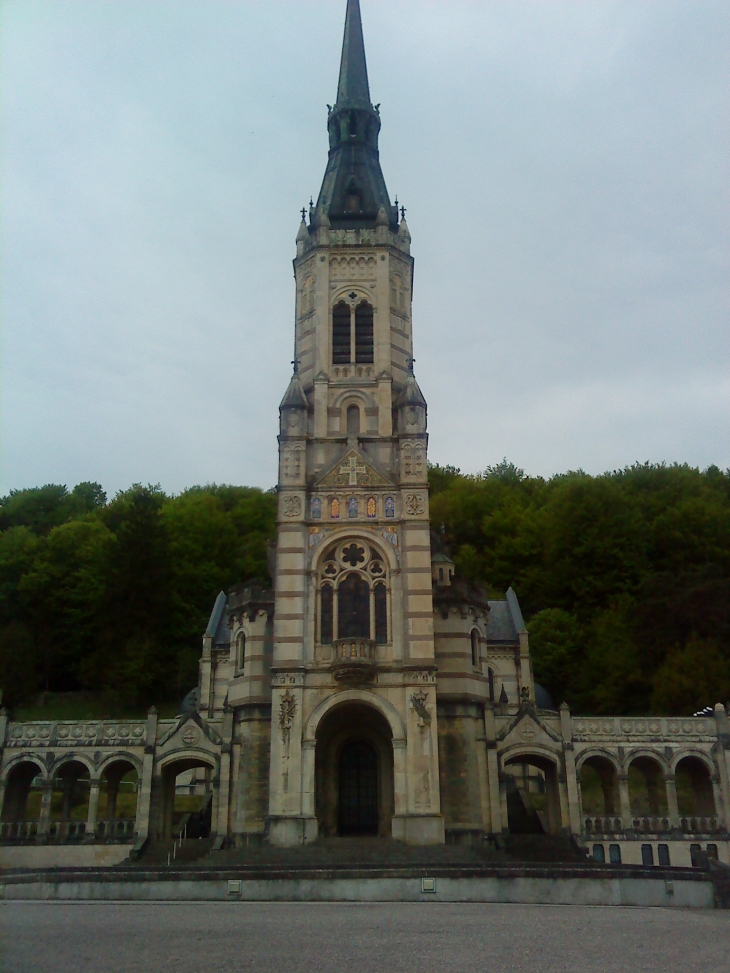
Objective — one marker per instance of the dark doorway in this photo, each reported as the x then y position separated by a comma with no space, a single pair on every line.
358,790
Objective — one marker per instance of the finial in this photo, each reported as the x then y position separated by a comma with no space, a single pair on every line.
411,363
295,363
396,204
304,215
311,201
402,212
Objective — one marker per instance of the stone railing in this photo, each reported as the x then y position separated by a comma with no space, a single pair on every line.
650,825
354,660
67,831
606,824
118,829
18,830
77,733
698,825
651,728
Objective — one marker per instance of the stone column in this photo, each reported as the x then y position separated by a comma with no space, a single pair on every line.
144,794
44,818
722,726
717,796
497,822
222,821
672,806
2,797
571,776
93,808
625,800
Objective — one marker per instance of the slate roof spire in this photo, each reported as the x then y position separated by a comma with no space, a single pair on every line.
353,88
353,190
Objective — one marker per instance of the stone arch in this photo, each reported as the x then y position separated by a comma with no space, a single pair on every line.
650,754
18,777
385,708
693,779
359,396
343,294
647,773
369,537
532,803
612,758
23,758
124,756
598,773
354,771
69,758
700,755
167,772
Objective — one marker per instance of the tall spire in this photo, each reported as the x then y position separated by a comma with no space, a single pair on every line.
353,192
353,89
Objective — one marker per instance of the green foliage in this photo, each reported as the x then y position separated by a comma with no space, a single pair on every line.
624,580
113,598
616,574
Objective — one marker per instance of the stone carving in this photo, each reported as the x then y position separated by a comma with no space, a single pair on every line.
418,702
413,465
190,736
415,504
287,711
352,471
292,507
291,462
353,268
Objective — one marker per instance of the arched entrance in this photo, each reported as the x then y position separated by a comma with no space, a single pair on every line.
186,800
533,795
21,808
358,790
118,795
354,772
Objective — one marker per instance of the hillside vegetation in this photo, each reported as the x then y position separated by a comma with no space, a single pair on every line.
624,580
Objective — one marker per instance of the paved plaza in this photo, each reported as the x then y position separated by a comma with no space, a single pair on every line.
334,938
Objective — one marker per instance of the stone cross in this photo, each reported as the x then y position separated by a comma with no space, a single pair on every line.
351,468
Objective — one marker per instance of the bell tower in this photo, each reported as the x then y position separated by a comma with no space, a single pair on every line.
353,659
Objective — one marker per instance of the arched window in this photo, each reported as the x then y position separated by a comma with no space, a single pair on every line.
381,614
241,651
352,508
354,591
353,617
325,629
474,647
364,334
335,509
341,334
353,420
372,509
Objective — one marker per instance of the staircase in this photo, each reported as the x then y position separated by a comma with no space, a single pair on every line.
185,851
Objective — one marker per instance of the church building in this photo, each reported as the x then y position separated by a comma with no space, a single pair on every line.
371,690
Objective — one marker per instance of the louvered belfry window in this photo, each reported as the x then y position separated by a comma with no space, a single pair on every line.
341,334
364,334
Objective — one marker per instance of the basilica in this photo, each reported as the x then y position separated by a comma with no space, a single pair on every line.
370,691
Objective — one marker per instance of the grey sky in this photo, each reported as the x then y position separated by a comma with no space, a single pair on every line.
562,164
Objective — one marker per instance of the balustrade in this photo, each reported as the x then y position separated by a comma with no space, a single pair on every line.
354,660
607,824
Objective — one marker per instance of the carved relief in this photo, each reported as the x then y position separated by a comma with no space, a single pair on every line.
353,268
415,504
287,711
292,507
418,702
353,471
413,460
292,460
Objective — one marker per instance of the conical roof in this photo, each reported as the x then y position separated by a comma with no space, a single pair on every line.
353,189
294,397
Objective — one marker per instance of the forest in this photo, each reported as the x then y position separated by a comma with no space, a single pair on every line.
623,578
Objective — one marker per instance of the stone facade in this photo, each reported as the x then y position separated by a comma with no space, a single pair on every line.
371,691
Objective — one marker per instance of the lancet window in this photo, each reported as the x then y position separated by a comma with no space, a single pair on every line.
352,334
354,600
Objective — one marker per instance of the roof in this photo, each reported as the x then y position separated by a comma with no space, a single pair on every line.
353,190
500,623
218,628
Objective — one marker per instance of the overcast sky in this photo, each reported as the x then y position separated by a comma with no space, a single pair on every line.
563,165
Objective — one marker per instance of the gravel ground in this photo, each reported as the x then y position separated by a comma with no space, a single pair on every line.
338,938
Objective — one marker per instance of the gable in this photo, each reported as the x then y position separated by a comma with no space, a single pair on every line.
353,470
527,727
